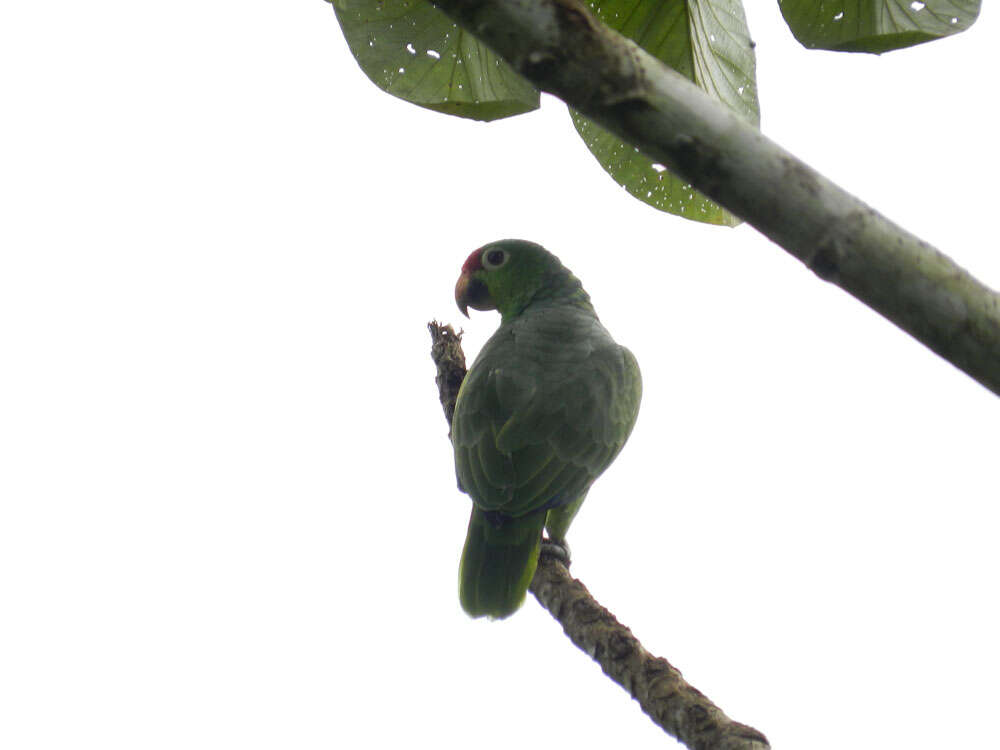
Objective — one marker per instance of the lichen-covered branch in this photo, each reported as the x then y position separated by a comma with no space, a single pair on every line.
446,351
660,689
666,697
560,47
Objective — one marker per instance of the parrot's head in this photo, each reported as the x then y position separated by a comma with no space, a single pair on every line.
508,275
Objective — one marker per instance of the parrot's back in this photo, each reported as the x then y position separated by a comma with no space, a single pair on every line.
543,411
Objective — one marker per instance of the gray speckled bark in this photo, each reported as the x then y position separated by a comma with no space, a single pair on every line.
662,693
561,48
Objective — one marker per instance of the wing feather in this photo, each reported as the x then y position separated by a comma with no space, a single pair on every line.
543,412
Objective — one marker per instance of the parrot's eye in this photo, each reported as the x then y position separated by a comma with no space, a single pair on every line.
494,259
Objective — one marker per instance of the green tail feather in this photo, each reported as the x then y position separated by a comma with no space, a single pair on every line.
498,563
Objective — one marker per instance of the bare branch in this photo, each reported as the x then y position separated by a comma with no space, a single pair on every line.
560,47
678,708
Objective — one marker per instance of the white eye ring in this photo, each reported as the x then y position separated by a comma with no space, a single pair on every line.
494,258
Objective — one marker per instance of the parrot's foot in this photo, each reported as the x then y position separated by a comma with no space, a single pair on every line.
557,549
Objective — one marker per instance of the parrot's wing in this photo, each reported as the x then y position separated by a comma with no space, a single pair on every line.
527,441
572,432
483,471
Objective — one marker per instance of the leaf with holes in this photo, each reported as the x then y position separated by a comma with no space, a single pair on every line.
411,50
705,40
875,25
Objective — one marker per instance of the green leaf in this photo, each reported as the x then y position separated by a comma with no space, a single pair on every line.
411,50
705,40
875,25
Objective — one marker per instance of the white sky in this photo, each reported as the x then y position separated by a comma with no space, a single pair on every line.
228,514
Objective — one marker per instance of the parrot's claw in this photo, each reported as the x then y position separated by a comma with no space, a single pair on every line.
557,549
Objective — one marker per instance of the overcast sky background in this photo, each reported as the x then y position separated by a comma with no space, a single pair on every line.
228,514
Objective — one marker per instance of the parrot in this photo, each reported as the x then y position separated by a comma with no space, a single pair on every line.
545,408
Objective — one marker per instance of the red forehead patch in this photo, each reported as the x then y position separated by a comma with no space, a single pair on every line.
474,262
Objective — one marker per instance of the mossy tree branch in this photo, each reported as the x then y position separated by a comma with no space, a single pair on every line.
661,691
561,48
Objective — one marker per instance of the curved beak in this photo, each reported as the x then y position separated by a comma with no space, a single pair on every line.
461,290
471,292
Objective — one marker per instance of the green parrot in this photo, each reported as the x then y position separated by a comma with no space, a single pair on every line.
543,411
